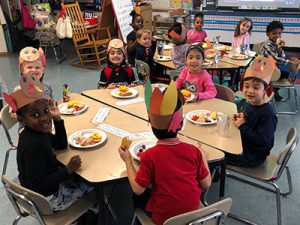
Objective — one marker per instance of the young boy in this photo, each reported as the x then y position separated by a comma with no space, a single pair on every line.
177,171
197,34
257,123
273,47
145,51
33,61
177,35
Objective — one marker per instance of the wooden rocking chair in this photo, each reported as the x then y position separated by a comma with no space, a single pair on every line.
90,50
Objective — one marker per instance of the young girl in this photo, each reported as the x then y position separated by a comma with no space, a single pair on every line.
33,61
242,33
194,79
117,70
177,35
197,34
38,169
137,23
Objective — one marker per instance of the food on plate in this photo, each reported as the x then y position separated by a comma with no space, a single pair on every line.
124,91
126,142
186,93
213,115
204,45
210,55
141,150
83,140
239,56
205,117
76,105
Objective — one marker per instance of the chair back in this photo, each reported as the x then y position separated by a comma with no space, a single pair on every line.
143,69
258,47
284,156
225,93
7,122
47,38
26,200
78,26
276,74
209,215
174,74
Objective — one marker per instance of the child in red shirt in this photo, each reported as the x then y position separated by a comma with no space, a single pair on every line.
177,171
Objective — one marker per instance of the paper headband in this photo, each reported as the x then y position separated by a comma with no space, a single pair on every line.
116,43
31,90
161,106
30,54
262,68
176,38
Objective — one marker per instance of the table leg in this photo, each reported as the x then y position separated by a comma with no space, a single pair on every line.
101,205
222,179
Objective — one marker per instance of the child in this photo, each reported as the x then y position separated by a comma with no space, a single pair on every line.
137,23
33,61
37,165
176,170
177,35
145,51
242,33
257,123
117,71
197,34
273,47
194,79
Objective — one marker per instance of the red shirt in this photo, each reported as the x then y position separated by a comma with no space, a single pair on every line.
174,169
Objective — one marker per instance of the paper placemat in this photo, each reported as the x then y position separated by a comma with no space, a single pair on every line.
141,135
100,115
131,101
113,130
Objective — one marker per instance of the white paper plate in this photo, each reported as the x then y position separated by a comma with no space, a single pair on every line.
86,133
167,47
163,58
135,148
116,93
223,47
207,63
196,112
63,109
238,56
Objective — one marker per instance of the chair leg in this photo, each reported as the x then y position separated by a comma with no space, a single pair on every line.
278,203
290,184
16,220
133,219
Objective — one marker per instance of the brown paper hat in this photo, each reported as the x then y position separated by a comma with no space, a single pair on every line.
161,105
30,54
31,90
262,68
116,43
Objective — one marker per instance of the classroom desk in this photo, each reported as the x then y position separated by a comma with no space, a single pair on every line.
103,163
204,134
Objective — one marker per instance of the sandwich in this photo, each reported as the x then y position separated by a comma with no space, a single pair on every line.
126,142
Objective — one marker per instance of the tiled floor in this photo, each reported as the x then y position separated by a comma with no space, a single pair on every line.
249,202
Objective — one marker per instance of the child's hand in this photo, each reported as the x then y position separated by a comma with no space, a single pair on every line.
294,61
239,119
53,107
196,97
125,155
111,86
74,164
281,44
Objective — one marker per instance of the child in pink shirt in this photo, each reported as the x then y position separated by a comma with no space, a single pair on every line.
194,79
242,33
197,34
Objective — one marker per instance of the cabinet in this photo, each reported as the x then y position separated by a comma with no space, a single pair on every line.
161,25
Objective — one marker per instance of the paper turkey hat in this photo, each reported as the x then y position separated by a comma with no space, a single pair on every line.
176,38
262,68
161,104
31,90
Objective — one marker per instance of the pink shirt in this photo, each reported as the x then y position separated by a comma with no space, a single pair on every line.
196,36
175,170
197,82
242,39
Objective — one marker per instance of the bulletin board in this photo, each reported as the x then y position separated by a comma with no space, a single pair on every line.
162,4
116,15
